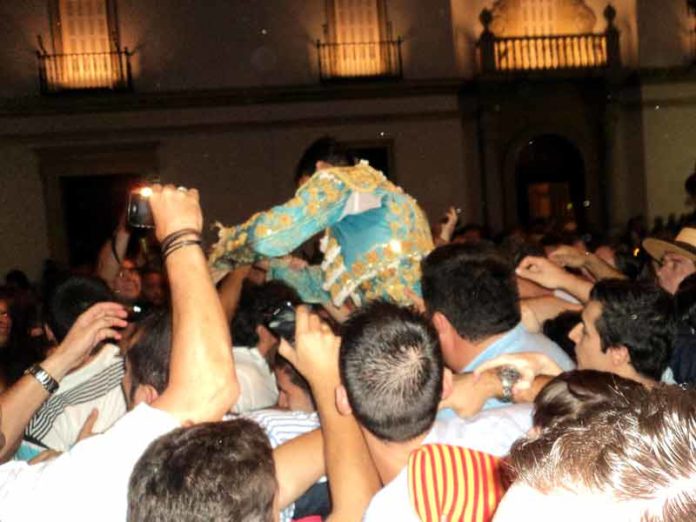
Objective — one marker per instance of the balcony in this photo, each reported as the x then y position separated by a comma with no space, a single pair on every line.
351,61
549,52
89,71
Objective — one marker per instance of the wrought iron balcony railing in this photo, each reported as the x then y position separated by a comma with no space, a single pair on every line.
88,71
549,52
359,60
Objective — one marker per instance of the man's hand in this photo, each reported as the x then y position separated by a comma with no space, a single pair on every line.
315,354
542,272
449,224
95,325
529,364
174,210
470,392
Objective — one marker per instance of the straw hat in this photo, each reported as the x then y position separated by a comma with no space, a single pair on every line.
684,245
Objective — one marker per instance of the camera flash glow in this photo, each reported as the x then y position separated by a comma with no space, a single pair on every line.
146,192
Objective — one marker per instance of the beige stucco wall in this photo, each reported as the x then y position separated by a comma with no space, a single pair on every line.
669,121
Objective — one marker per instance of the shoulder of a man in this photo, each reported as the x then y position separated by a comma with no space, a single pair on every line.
392,502
88,482
537,342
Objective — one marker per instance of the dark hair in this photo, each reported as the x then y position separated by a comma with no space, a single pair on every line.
256,304
690,185
685,301
70,299
325,149
213,471
573,396
558,329
473,287
282,364
641,450
639,316
391,366
148,356
18,279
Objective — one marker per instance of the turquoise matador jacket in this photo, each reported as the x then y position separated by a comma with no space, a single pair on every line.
375,236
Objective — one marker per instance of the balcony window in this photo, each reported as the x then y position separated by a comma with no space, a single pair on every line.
691,7
87,53
524,35
358,41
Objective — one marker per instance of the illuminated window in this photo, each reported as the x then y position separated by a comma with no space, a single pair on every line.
86,46
539,17
359,40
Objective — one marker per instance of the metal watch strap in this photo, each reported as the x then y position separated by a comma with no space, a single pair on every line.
508,378
45,379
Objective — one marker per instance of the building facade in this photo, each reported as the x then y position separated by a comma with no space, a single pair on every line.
510,109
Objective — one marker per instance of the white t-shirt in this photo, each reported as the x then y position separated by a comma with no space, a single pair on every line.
491,431
87,483
257,384
97,385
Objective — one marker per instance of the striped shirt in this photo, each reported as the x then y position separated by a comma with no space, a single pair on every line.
97,385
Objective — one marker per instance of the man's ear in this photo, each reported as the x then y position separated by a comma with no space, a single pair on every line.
442,324
447,383
619,355
144,393
342,404
322,165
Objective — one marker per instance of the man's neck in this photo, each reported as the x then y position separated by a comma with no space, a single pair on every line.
391,458
631,374
471,350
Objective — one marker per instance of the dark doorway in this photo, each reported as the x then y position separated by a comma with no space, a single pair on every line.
550,174
92,207
378,154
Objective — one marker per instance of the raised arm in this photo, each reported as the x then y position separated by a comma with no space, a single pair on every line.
549,275
572,257
202,382
353,479
278,231
113,252
19,403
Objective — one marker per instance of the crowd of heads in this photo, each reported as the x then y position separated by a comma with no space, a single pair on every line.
616,434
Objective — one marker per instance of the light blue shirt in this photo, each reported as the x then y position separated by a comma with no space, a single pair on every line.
517,340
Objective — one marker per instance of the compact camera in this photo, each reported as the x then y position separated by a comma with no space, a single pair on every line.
139,211
282,322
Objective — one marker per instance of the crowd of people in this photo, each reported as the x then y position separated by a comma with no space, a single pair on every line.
336,357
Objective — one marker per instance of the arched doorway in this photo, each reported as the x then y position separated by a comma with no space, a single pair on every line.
550,181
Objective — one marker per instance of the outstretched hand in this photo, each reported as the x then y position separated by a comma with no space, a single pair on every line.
542,271
528,364
99,323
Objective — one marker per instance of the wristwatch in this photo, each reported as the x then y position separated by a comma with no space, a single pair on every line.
508,378
45,379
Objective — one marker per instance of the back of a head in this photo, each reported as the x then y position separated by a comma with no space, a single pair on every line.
473,287
639,316
325,149
391,366
576,395
150,351
216,471
640,453
70,299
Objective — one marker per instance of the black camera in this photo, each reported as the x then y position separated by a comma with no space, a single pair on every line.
139,211
282,322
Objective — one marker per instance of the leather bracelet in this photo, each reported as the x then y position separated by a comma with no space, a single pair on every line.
167,241
180,244
45,379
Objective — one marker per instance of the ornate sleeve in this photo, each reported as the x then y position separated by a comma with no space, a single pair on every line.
276,232
307,281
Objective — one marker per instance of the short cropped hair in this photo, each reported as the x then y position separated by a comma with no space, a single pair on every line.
641,453
70,299
391,366
639,316
473,287
148,357
216,471
325,149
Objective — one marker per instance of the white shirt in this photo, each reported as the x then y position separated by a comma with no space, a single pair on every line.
87,483
491,431
257,384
